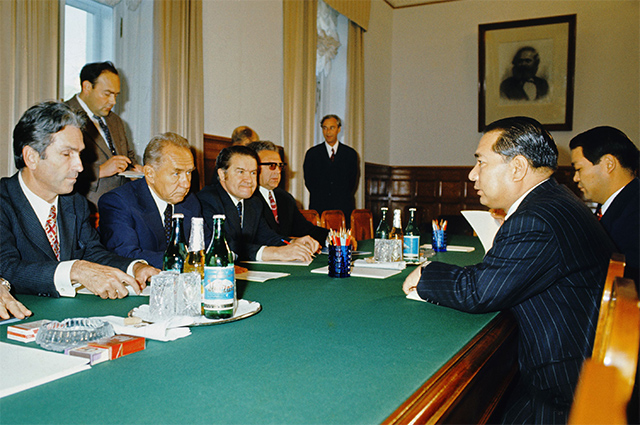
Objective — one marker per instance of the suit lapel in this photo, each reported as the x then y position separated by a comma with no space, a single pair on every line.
91,130
66,227
232,221
266,208
149,210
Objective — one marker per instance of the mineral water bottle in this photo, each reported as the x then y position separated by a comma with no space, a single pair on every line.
219,285
380,245
176,251
397,235
195,256
411,239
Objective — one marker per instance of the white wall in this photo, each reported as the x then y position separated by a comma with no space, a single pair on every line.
434,74
243,67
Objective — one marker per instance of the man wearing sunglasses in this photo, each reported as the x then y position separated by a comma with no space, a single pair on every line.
279,207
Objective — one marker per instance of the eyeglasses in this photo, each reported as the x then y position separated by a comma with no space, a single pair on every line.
272,165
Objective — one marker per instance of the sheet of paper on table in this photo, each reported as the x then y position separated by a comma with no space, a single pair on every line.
484,225
256,276
363,272
25,367
454,248
280,263
413,295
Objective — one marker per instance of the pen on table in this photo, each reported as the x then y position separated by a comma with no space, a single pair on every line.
286,241
7,321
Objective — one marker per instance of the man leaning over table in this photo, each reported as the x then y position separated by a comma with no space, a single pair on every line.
547,266
247,234
47,245
135,219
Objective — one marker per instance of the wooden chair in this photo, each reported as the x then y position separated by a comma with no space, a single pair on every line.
607,378
311,216
362,224
332,219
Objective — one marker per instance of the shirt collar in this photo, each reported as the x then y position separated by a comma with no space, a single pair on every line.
86,109
160,203
328,146
610,200
39,205
265,194
516,204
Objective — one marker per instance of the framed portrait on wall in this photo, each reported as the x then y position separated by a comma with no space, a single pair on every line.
527,68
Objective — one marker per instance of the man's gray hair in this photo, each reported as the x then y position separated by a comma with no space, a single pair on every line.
153,151
263,145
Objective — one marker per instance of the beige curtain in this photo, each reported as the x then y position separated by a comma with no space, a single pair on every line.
300,40
29,43
355,100
357,11
178,102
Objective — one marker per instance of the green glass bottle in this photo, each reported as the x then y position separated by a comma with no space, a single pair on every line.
219,285
176,251
411,239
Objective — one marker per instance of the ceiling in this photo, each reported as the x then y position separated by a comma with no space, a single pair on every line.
397,4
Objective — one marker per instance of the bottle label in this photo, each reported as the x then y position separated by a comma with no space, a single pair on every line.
218,288
411,247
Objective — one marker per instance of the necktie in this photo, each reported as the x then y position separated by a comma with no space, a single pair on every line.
107,133
599,212
274,206
52,231
239,206
168,212
333,155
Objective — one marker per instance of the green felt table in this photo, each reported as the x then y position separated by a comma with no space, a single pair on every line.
322,350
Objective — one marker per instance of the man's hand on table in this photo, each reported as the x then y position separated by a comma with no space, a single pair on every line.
411,282
301,249
143,273
10,306
109,282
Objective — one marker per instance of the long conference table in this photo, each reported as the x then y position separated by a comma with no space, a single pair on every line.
322,351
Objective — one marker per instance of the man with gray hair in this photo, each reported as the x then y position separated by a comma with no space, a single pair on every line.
135,219
547,266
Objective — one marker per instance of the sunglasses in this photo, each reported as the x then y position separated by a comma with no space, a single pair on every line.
272,165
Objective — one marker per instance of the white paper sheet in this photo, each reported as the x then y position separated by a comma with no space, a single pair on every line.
396,265
484,225
256,276
362,272
413,295
454,248
280,263
26,367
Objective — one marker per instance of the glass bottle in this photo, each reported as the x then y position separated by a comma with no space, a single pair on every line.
176,252
195,257
397,235
219,285
411,239
380,245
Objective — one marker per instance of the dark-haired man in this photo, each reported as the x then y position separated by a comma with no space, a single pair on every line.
606,170
279,208
524,84
247,234
547,266
108,151
243,135
47,245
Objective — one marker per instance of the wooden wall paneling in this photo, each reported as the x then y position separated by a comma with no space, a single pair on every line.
212,147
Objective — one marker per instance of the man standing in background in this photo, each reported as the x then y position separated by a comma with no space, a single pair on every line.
107,151
331,171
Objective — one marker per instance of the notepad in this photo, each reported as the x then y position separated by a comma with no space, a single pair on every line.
362,272
280,263
256,276
484,225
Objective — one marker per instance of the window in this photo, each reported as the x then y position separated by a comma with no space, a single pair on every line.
88,37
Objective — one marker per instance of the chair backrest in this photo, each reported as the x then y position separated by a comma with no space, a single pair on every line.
332,219
362,224
311,216
606,382
616,269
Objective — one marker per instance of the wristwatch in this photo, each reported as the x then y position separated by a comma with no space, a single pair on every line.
4,282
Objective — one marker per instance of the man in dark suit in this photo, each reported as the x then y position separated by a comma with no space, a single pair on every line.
47,245
246,232
524,84
606,165
135,219
331,171
279,208
547,266
107,150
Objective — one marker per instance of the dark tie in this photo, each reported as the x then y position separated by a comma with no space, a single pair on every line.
239,206
52,231
168,212
333,155
274,206
107,133
599,212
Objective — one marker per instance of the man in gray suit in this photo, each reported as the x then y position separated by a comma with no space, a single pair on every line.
547,266
107,150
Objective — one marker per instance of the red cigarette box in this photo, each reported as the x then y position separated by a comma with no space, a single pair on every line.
120,345
25,332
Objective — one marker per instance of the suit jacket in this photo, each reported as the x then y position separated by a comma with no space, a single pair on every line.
26,257
547,266
131,226
96,152
513,88
291,221
622,223
331,185
243,240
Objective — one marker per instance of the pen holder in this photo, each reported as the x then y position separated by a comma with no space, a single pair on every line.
339,261
439,241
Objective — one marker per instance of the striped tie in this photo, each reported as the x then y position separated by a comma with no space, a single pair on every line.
274,206
168,212
239,206
107,134
52,231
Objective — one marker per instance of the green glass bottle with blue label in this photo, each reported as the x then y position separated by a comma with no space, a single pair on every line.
219,284
411,239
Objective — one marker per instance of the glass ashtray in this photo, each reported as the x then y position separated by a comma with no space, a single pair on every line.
58,336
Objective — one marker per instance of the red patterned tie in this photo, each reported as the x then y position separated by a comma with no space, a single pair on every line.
52,231
274,206
333,155
599,212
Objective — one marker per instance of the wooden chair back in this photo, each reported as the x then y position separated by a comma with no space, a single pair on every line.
362,224
332,219
311,216
616,269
